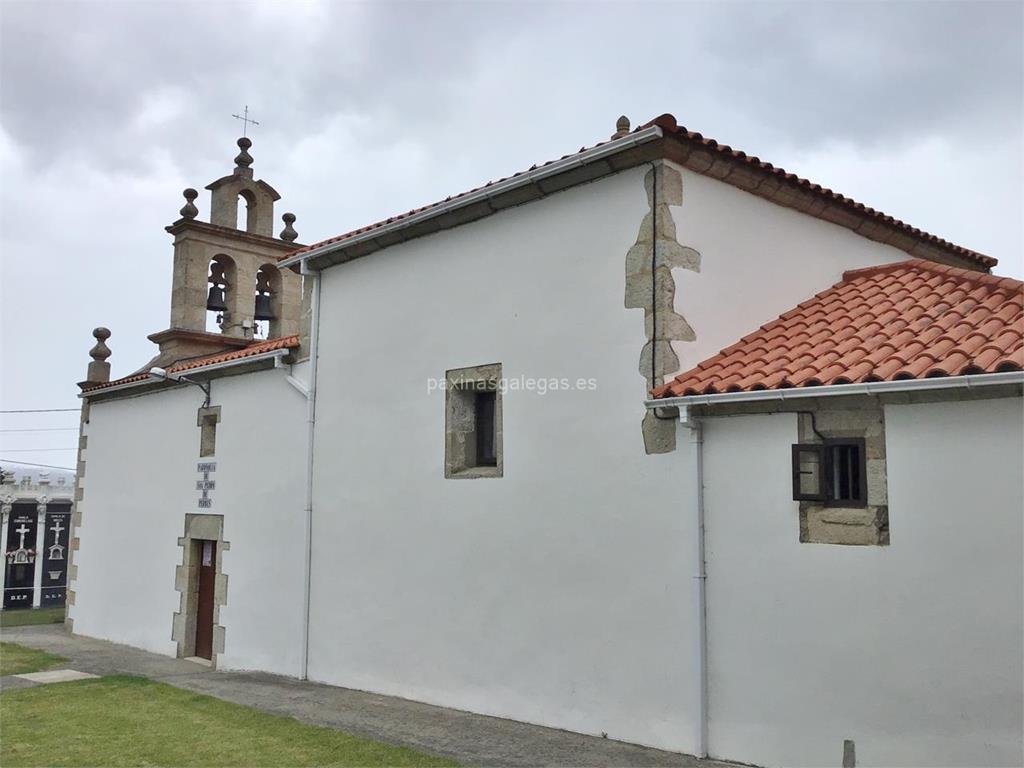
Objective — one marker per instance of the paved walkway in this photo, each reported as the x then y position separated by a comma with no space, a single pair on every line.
470,739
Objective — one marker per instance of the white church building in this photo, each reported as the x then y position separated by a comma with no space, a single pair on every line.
655,440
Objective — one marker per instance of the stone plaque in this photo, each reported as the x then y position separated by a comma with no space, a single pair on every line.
20,556
55,554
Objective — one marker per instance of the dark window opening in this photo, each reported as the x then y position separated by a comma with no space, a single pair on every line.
484,412
472,422
845,481
834,472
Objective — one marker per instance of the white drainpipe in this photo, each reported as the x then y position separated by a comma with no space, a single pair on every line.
314,339
697,441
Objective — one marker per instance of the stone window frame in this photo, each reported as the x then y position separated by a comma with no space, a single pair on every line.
853,524
459,427
207,420
199,527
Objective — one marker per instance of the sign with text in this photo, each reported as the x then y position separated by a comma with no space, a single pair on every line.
205,485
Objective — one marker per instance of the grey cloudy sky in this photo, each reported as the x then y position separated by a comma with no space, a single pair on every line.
109,109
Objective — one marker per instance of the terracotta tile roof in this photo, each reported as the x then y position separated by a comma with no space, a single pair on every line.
710,158
256,348
909,320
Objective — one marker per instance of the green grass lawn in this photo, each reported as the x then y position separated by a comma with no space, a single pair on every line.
21,617
131,721
17,659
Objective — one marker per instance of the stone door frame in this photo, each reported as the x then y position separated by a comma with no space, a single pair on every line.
198,528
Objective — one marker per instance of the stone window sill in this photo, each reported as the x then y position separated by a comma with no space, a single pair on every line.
474,473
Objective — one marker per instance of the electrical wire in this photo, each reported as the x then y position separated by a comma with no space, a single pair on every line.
30,464
43,429
37,450
43,410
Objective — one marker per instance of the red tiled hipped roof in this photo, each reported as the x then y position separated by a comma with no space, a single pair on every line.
256,348
773,185
909,320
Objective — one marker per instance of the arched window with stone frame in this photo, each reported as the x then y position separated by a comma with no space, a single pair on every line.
221,279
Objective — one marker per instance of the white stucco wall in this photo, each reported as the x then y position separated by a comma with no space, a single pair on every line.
139,484
758,261
561,593
912,650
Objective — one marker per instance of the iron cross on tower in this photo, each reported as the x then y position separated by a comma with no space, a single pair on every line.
244,117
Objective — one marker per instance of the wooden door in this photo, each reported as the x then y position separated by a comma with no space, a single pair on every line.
204,599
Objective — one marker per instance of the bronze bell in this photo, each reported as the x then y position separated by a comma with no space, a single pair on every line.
215,301
263,310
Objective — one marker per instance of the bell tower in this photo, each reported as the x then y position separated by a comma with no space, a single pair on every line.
227,290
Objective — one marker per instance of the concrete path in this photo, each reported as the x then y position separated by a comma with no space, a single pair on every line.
56,676
470,739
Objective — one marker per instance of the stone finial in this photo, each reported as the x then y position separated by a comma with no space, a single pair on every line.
99,368
288,233
244,159
101,351
621,127
189,210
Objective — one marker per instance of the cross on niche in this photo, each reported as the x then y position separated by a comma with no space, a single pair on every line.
57,528
23,530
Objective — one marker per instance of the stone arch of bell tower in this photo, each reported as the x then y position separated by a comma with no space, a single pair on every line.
270,282
258,196
240,233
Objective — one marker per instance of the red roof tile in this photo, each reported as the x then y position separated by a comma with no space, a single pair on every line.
774,184
909,320
256,348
